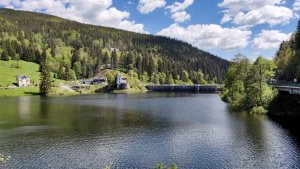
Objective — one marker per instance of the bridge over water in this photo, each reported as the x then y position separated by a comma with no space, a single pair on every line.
293,90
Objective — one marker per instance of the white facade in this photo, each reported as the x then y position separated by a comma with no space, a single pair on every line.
122,82
23,81
114,49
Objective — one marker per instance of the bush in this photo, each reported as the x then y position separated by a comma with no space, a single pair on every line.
162,166
3,158
258,110
15,65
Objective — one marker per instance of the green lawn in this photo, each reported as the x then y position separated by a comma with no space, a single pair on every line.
8,74
22,91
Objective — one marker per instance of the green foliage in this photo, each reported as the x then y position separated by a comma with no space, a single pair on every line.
5,56
3,158
199,76
258,110
162,78
85,49
154,78
297,37
234,91
15,65
144,78
258,92
46,82
111,77
287,57
114,58
162,166
246,84
78,69
107,166
170,79
185,76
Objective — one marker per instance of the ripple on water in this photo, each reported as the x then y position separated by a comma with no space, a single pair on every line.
195,131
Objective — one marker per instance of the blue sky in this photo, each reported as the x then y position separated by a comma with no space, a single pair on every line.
222,27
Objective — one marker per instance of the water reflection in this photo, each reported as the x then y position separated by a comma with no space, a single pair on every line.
24,108
136,131
44,110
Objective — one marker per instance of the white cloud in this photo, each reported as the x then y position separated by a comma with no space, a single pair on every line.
269,39
254,12
177,10
97,12
272,15
296,5
177,6
208,36
132,26
130,3
147,6
181,16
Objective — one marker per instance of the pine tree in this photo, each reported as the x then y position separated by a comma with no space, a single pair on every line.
297,36
52,52
97,66
5,56
42,59
46,81
114,58
139,66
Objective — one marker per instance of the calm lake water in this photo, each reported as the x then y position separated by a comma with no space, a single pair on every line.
137,131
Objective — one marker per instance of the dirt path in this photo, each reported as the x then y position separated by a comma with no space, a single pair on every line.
66,87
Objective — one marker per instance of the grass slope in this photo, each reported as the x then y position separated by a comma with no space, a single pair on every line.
8,74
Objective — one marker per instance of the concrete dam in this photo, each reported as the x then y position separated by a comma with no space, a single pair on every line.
185,88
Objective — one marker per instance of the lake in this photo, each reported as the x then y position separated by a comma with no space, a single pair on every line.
137,131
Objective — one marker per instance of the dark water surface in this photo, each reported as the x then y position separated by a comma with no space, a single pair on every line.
137,131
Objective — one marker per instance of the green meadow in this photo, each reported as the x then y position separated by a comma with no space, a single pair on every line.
9,70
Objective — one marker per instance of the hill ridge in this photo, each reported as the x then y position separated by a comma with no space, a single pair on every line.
71,45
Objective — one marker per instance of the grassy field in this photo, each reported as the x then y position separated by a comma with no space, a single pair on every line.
19,91
9,72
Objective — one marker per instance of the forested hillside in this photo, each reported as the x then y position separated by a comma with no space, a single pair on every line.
75,50
287,57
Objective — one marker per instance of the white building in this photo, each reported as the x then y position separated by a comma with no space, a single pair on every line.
114,49
122,82
23,81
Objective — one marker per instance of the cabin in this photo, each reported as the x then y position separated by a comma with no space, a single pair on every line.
23,81
95,80
122,82
100,80
86,81
114,49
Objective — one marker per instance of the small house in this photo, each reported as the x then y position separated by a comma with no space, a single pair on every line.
23,81
86,81
100,80
114,50
122,82
95,80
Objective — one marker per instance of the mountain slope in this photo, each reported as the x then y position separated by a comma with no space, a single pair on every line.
76,50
